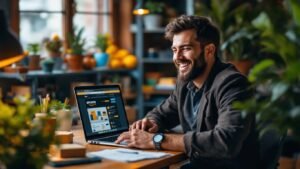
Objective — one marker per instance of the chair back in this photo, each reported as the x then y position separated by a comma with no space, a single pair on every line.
271,143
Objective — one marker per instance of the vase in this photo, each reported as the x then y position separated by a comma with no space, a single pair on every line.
47,66
101,59
74,62
152,21
34,62
26,160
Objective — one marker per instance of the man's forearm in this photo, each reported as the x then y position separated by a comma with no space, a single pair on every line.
173,142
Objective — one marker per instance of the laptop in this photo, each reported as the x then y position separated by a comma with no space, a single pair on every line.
102,113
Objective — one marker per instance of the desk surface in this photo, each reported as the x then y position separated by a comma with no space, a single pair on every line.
145,164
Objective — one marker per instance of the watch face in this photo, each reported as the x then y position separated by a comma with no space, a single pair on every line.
158,138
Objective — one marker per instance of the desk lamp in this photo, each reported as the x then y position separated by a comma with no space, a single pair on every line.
10,48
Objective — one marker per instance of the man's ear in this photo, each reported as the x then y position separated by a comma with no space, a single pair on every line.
210,50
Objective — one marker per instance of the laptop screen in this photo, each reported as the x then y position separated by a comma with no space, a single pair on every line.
101,109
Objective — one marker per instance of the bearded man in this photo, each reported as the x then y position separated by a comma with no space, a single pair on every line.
215,135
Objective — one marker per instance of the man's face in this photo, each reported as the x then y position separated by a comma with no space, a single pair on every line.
188,55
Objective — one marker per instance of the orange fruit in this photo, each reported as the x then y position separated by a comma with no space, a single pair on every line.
121,54
111,49
130,61
116,63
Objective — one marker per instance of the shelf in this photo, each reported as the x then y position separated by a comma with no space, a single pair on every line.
158,60
158,30
56,73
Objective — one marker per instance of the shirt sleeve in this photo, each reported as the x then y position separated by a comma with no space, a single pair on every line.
226,138
166,113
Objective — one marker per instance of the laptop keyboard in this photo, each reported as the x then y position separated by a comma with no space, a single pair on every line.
108,139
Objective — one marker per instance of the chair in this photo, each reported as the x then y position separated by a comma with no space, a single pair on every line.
271,143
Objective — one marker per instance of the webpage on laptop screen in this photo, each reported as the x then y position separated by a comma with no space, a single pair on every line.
102,111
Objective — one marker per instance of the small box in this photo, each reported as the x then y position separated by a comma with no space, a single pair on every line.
64,137
67,150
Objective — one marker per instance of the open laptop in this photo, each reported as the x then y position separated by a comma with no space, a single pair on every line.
102,113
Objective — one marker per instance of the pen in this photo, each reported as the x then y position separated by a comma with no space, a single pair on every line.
128,152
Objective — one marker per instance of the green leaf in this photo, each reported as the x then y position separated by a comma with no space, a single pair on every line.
278,90
295,7
259,68
295,112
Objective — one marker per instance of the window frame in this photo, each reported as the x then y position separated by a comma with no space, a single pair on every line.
68,12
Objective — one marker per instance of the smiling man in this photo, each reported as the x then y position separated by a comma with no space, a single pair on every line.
216,136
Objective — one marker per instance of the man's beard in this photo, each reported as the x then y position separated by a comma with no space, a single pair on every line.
197,69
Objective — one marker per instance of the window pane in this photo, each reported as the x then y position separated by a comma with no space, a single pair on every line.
51,5
35,27
87,5
90,24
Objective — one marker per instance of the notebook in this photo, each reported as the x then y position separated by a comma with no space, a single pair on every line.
102,113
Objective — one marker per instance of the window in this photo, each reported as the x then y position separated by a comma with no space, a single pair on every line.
40,19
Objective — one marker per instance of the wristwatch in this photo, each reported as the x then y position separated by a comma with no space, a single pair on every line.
157,140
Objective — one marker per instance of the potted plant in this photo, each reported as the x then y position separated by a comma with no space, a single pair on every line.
239,37
47,64
24,142
34,56
101,56
75,53
53,47
154,19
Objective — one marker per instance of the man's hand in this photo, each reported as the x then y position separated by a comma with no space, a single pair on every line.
146,125
137,139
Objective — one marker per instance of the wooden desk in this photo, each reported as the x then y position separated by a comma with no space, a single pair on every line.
144,164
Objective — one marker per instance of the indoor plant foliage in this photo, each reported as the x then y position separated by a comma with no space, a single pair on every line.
153,20
75,53
54,45
240,39
24,141
102,44
278,77
76,42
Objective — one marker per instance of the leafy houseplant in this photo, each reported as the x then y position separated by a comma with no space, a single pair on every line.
240,39
154,19
75,52
34,57
54,45
24,142
278,102
101,43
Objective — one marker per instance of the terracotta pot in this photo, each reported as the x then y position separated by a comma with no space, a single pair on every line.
54,54
89,62
242,65
74,62
34,62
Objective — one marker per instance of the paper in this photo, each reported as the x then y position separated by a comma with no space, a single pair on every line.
128,155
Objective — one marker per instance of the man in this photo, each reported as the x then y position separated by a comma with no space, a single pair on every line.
215,134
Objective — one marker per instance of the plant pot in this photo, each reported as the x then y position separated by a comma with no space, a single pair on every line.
101,59
152,21
34,62
47,66
74,62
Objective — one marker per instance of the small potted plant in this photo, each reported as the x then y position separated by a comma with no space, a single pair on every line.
34,56
75,53
47,64
53,46
24,142
101,56
154,19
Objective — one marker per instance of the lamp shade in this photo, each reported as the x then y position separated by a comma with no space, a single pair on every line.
139,8
10,48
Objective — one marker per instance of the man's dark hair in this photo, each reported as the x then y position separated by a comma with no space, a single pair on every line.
207,32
